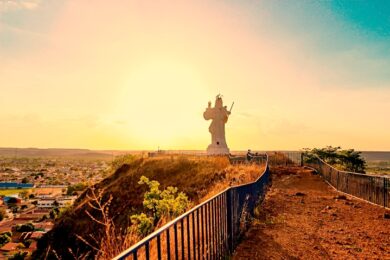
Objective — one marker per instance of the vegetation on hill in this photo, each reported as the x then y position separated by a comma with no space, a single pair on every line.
348,160
120,196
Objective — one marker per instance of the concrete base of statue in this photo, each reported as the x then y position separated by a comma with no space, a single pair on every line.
217,150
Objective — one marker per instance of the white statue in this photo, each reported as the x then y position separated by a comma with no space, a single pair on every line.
219,116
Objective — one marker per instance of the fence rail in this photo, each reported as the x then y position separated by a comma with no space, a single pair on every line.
375,189
211,230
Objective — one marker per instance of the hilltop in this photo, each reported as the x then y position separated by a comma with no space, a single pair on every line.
302,217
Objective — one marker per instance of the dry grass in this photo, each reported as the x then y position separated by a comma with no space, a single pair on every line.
235,175
199,177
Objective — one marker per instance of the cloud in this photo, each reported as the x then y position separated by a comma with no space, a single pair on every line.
12,5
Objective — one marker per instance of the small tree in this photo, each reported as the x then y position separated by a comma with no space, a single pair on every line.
161,203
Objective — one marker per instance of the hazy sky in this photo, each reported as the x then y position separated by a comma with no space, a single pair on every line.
138,74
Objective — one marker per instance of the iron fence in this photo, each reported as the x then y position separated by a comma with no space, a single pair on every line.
285,158
375,189
211,230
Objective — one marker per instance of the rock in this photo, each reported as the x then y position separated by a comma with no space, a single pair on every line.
300,194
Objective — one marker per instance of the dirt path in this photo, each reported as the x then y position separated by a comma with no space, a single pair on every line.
304,218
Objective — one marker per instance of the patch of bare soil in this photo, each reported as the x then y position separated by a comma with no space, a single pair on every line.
302,217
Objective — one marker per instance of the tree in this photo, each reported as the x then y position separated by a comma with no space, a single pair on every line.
72,189
25,227
24,194
348,160
54,213
5,238
12,200
121,160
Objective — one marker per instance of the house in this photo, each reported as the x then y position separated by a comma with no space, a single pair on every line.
60,202
31,235
46,226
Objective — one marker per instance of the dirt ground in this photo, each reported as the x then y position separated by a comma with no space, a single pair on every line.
304,218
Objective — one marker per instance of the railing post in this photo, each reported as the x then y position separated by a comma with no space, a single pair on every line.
301,159
229,219
384,192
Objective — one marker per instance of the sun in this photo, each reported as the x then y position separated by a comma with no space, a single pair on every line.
161,102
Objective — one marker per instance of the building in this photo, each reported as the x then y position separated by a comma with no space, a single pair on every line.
60,202
15,185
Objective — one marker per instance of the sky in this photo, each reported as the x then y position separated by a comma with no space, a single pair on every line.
137,75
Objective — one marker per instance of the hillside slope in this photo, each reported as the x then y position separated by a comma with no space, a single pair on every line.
196,177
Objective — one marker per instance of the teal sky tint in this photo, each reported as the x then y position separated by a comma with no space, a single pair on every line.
351,36
371,17
23,29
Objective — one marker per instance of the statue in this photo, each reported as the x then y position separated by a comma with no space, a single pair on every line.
219,116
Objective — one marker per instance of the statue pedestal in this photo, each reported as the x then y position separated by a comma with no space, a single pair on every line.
217,150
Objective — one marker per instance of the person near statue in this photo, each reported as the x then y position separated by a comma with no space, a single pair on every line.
249,155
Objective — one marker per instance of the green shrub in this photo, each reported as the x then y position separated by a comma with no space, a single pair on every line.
160,203
168,203
142,224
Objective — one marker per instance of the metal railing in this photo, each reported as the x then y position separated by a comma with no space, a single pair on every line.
210,230
375,189
285,158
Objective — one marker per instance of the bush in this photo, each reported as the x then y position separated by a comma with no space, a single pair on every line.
142,224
